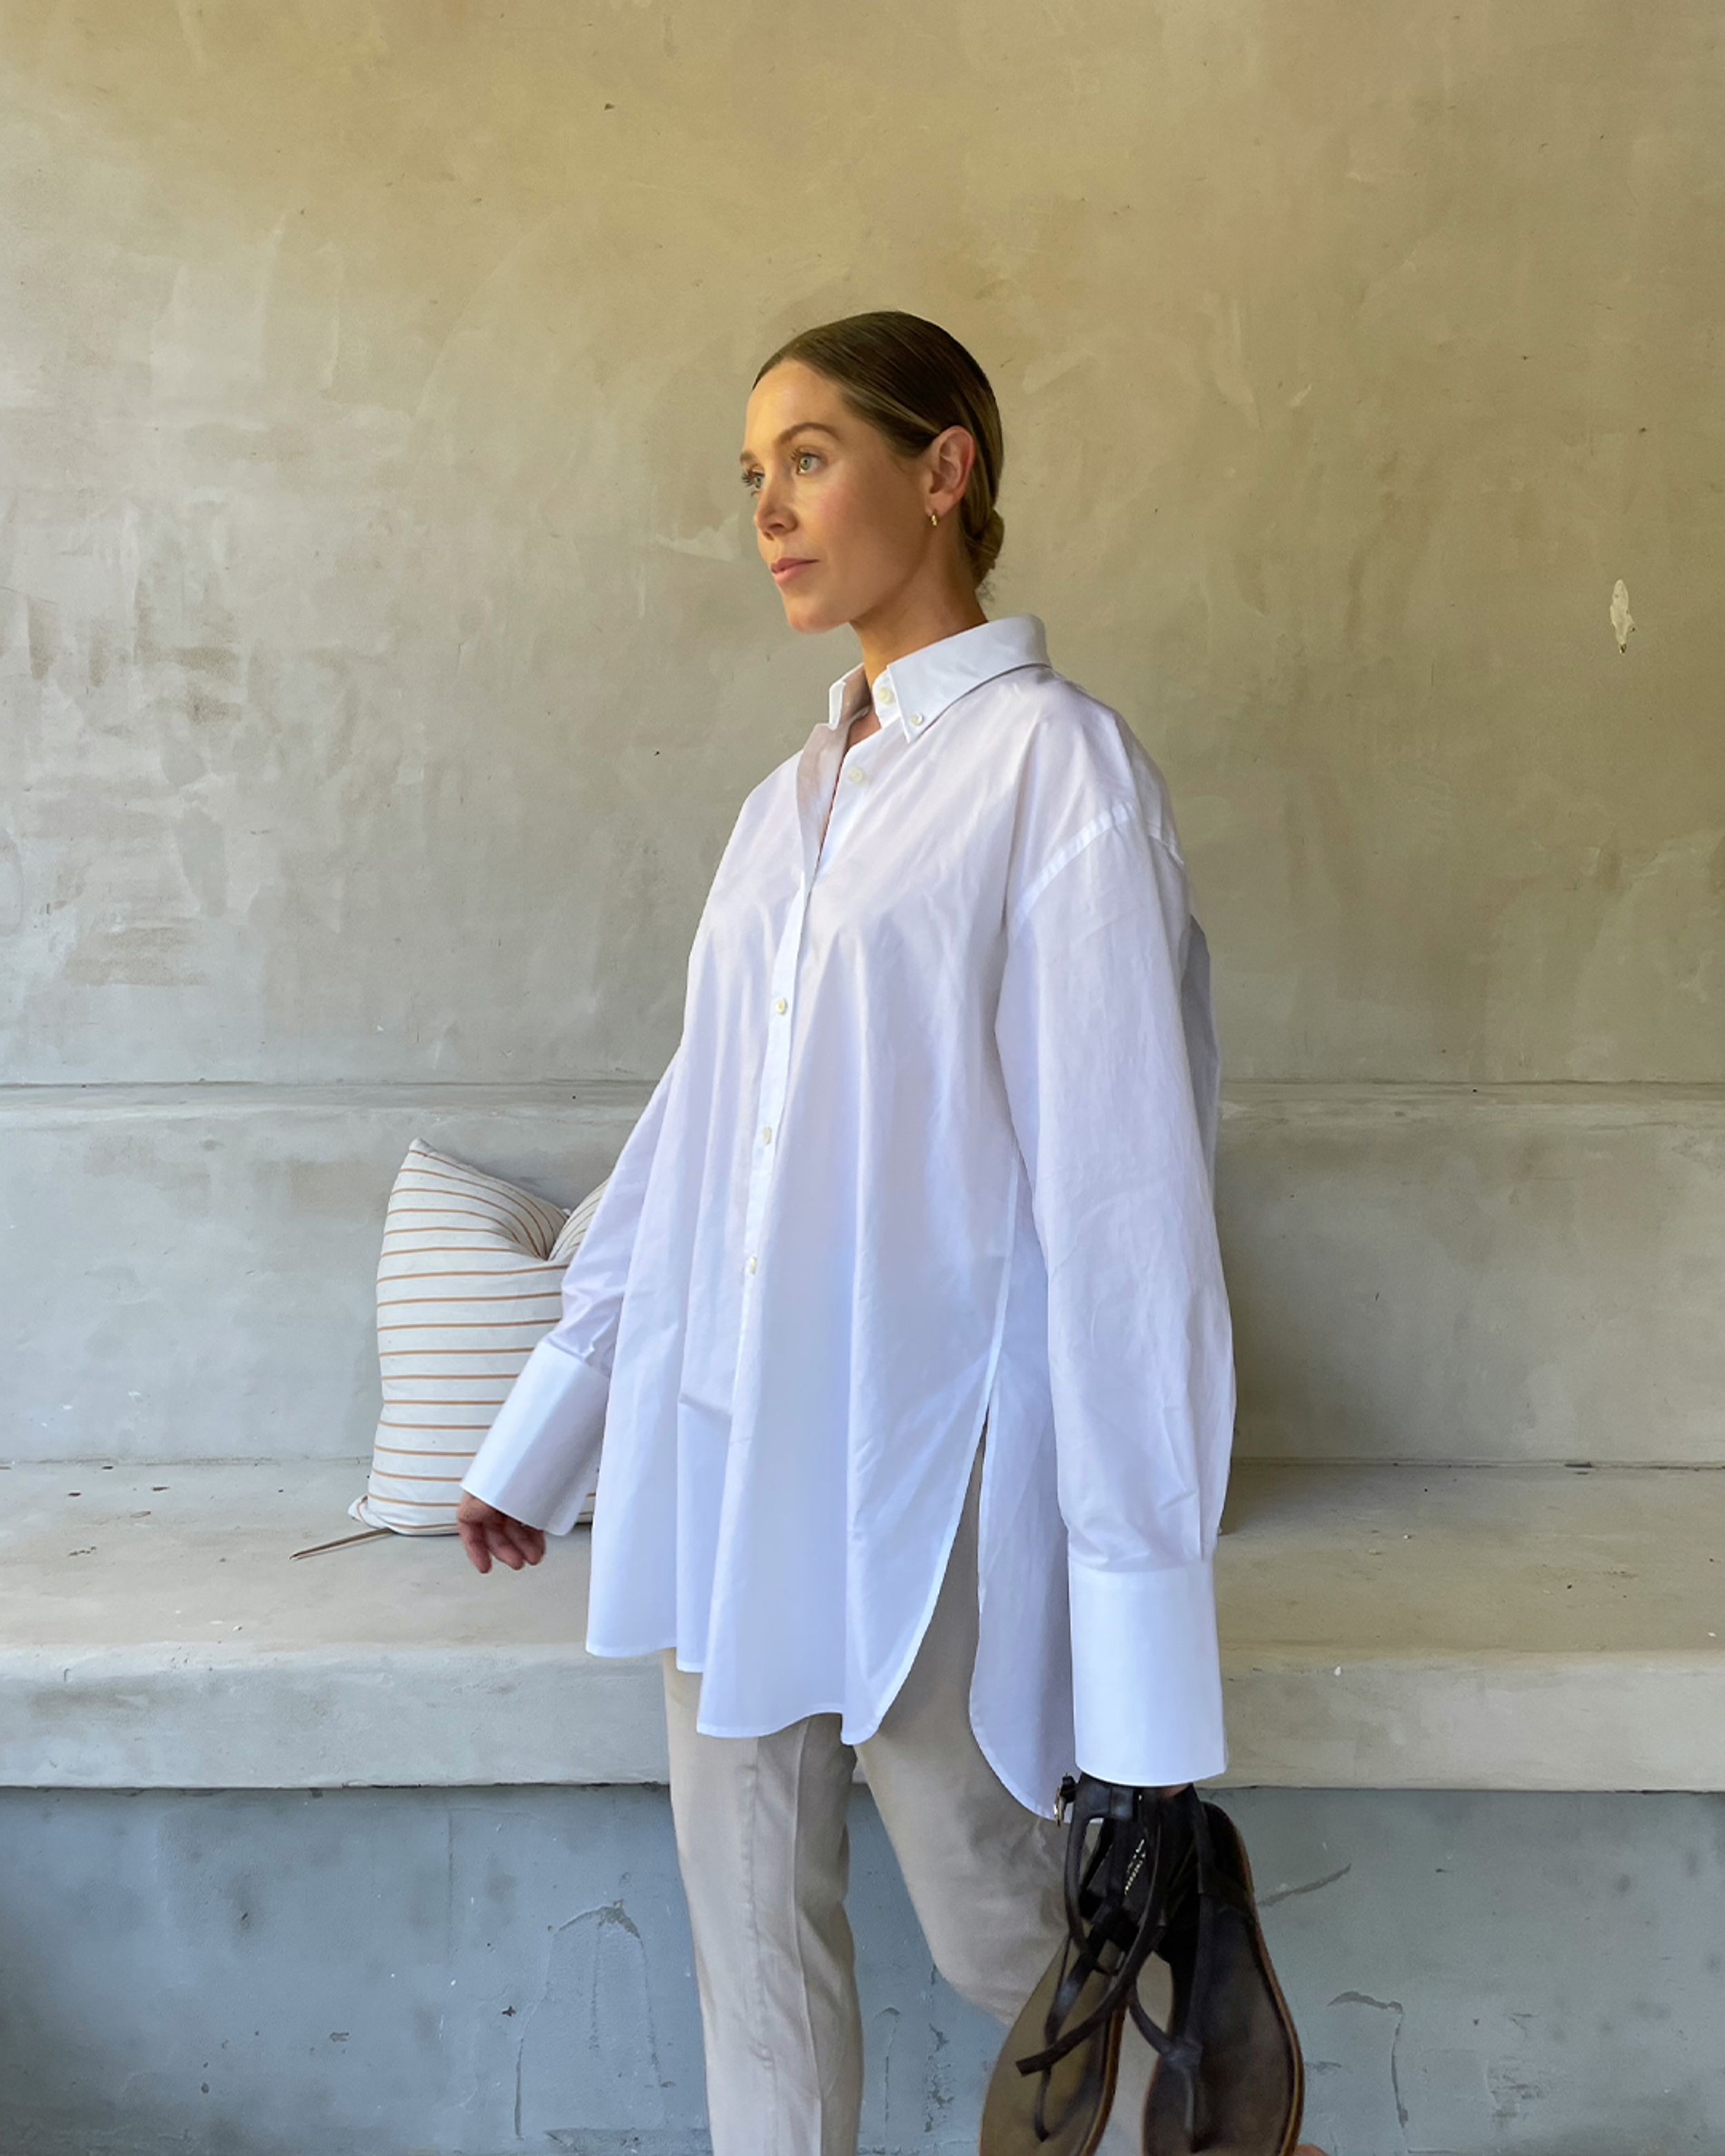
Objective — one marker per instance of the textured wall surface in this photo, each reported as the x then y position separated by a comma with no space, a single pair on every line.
383,648
371,1973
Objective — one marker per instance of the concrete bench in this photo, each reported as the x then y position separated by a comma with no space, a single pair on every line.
1383,1627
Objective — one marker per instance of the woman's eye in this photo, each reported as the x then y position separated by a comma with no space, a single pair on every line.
750,478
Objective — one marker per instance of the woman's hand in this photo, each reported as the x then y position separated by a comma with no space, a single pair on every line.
485,1532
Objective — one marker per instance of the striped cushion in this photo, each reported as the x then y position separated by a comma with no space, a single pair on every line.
470,1277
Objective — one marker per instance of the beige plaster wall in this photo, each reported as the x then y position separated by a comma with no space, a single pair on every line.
382,647
384,652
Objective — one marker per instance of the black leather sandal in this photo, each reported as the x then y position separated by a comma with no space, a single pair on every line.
1166,1876
1247,2094
1054,2084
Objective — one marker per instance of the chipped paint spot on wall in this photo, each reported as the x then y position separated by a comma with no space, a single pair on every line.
1622,622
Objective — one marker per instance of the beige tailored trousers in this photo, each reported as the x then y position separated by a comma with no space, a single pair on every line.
764,1852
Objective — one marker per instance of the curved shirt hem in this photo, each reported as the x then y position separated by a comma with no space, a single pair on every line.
1008,1781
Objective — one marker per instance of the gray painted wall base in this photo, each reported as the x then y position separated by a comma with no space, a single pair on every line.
473,1973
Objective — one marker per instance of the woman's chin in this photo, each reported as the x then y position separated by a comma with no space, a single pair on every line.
804,611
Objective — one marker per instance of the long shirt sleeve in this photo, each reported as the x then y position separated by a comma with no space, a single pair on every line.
1109,1057
539,1461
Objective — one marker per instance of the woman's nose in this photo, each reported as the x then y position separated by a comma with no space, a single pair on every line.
770,512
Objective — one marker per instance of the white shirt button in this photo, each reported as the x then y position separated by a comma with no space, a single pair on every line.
766,1135
751,1264
781,1006
884,694
916,718
856,775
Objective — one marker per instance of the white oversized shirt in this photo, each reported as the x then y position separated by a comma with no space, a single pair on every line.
935,1150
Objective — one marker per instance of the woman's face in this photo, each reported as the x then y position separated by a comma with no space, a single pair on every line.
829,492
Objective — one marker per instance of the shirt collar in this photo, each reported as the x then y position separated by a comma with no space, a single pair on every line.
916,688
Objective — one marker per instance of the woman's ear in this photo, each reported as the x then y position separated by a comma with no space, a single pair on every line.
951,455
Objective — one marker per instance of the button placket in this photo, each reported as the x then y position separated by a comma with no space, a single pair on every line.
854,773
776,1065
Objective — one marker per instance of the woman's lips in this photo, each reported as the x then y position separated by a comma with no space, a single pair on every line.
788,568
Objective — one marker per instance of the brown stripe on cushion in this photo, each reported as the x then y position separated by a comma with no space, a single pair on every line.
523,1205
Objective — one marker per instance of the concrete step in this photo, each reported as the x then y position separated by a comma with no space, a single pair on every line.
1384,1626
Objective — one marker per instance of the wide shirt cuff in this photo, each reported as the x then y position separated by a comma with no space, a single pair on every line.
1147,1675
540,1459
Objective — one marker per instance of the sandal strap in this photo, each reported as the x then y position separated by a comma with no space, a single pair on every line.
1168,1830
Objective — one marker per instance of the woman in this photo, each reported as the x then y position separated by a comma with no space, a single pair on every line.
902,1315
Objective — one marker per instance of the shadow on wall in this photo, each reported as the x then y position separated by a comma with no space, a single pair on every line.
278,1974
291,1973
295,1973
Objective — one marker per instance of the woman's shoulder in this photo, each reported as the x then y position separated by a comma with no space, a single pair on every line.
1081,755
774,789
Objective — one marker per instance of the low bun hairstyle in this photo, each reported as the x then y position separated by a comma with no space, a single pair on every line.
912,380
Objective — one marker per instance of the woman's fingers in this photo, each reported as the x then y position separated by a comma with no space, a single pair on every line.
487,1533
473,1541
527,1544
499,1541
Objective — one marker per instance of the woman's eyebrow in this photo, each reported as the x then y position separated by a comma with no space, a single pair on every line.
801,427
